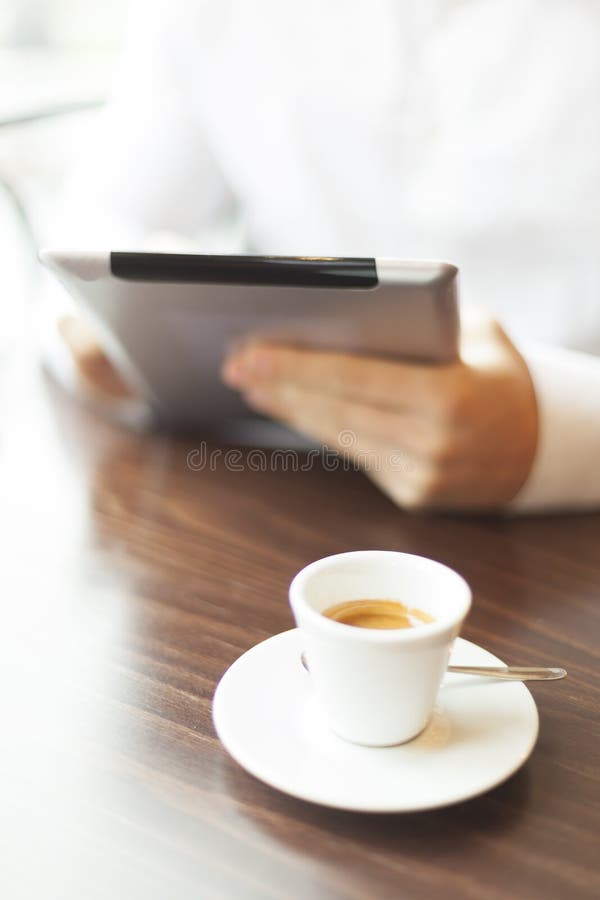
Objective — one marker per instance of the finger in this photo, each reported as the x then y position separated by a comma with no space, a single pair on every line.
394,450
367,379
343,429
339,422
93,365
410,486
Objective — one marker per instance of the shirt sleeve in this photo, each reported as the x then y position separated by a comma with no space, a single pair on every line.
148,164
566,470
147,179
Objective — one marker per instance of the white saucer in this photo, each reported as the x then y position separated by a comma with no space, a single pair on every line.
267,718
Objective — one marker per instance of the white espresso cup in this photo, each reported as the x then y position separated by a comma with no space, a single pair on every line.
378,686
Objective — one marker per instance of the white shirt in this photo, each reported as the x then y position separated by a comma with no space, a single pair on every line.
467,130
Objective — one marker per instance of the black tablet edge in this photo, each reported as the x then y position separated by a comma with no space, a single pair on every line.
299,271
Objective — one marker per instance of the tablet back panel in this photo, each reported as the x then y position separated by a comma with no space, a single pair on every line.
167,320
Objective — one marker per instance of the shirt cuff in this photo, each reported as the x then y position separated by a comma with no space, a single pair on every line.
566,468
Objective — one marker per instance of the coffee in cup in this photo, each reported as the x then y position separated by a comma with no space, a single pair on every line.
377,614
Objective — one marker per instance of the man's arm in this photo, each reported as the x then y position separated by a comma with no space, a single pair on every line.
508,428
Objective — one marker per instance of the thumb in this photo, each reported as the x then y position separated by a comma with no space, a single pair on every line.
93,365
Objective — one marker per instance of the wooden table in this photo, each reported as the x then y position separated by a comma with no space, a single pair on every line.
130,581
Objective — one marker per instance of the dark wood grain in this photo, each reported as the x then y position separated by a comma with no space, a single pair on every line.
130,582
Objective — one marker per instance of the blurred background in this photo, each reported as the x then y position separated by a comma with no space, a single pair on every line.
56,61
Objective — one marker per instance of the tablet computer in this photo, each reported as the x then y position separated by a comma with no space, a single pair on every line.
166,320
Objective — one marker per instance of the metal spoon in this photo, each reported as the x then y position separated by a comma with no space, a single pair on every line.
508,673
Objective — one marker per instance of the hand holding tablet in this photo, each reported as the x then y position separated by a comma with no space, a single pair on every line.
454,436
360,354
167,320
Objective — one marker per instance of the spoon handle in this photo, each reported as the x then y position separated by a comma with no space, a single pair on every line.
511,673
508,673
